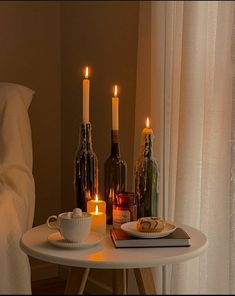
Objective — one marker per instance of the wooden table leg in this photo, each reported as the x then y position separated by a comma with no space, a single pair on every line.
76,280
145,282
127,279
119,279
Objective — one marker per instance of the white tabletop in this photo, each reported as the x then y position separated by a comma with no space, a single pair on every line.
104,255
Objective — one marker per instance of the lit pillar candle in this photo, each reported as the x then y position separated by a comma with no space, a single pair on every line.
91,205
85,98
115,110
98,223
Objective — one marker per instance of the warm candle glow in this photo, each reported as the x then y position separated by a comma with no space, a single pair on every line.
87,72
98,223
111,193
91,205
147,122
97,208
115,90
147,130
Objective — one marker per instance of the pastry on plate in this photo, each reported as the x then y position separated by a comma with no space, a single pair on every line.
150,224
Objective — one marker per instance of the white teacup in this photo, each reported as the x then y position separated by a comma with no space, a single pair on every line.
72,229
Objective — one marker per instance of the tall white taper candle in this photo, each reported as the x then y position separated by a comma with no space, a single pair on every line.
115,110
85,100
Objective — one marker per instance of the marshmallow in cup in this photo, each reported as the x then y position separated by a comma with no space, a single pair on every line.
74,226
77,213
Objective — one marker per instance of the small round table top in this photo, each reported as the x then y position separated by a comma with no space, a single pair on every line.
104,255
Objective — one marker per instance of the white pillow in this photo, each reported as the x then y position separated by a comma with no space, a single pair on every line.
17,191
10,91
16,157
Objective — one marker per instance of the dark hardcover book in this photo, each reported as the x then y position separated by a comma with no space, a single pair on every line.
121,239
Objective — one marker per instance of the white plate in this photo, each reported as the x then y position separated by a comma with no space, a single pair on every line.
131,228
57,240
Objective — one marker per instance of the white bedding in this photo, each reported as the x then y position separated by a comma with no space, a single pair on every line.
17,192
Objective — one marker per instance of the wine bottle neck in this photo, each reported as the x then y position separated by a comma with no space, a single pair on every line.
86,140
115,143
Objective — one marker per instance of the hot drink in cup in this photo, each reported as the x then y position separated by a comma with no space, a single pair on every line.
74,226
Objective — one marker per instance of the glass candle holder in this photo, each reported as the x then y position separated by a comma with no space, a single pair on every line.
124,208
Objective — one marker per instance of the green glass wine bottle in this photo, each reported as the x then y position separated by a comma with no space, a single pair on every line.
85,169
115,175
147,177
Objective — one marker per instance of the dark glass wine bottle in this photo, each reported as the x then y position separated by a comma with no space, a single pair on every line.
147,179
85,169
115,175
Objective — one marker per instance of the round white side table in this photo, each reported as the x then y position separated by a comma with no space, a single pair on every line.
105,256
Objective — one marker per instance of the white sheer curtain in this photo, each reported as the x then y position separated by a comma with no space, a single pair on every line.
184,82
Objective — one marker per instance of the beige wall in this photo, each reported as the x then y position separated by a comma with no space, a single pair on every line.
47,51
102,35
30,55
45,45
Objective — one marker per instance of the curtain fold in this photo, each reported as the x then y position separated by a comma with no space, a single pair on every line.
190,103
232,179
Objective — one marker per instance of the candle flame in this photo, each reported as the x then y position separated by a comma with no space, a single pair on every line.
96,209
87,72
96,197
115,90
147,122
111,193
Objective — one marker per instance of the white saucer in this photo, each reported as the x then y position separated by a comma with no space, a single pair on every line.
57,240
131,228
